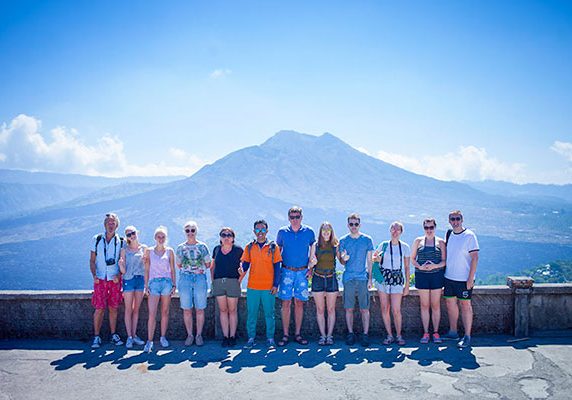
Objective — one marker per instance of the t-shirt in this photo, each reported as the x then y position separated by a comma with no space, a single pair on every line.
326,260
134,262
459,249
295,245
226,265
261,275
193,257
356,267
388,258
111,250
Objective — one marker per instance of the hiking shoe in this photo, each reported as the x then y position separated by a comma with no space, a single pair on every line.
96,344
464,342
164,342
437,338
350,339
451,336
189,340
250,344
199,340
364,340
424,338
129,343
148,347
271,344
116,340
138,341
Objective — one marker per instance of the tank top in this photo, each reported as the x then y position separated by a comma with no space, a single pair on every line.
134,262
159,266
428,253
326,260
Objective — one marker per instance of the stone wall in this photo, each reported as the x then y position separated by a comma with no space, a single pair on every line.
68,314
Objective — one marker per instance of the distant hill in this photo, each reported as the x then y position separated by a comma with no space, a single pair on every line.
324,175
544,192
552,272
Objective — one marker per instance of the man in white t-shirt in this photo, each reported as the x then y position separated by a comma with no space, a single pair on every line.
462,259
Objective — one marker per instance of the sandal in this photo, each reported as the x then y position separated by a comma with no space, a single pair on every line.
329,340
300,340
322,341
388,340
284,341
400,341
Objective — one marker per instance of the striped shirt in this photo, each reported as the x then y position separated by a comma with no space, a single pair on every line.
428,253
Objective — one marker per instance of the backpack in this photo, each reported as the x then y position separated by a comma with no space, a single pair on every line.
100,236
447,236
376,269
271,245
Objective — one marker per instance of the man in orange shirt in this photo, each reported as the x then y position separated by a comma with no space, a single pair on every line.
263,259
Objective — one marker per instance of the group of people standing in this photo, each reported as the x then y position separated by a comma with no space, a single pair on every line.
125,268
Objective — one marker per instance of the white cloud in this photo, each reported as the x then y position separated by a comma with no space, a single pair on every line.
468,163
220,73
563,148
23,146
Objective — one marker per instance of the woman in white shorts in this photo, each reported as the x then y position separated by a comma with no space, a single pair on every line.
392,258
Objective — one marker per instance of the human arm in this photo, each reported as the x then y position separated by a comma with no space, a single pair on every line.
406,261
369,264
276,281
147,266
92,267
122,266
313,260
474,261
173,273
414,248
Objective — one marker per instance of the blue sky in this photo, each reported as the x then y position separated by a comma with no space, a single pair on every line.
456,90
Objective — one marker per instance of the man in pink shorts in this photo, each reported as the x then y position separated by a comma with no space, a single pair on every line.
106,278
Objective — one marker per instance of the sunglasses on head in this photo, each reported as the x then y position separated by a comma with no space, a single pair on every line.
190,230
454,218
353,224
226,235
131,234
263,230
295,216
429,228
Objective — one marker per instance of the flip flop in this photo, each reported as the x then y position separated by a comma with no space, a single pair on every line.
284,341
300,340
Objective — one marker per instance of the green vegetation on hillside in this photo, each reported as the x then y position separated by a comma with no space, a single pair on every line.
553,272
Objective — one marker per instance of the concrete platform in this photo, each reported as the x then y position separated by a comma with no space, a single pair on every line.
494,368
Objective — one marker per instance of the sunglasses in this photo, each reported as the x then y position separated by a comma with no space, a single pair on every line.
294,216
353,224
226,235
131,234
190,230
429,228
160,237
455,218
263,230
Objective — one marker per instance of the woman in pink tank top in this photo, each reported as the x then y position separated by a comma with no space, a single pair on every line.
159,285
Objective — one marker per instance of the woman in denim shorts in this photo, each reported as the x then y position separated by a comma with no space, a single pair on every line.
226,284
325,281
133,270
159,278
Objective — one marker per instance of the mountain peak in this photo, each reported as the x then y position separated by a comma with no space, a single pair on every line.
286,138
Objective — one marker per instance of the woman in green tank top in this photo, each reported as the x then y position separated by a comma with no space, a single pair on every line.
324,280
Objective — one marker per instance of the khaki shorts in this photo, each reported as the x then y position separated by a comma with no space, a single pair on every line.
228,287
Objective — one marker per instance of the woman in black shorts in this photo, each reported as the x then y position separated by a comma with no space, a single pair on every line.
428,255
226,284
325,281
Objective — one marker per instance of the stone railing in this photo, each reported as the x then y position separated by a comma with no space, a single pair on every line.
520,308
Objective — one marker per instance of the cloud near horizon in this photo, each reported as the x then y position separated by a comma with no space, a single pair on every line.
468,163
23,146
220,73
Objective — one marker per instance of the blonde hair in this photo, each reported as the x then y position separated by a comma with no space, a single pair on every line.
132,229
191,223
113,216
161,229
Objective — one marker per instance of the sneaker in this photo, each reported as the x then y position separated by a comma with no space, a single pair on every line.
225,342
364,340
189,340
437,338
164,342
138,341
148,347
424,338
451,335
250,344
116,340
129,343
232,341
271,344
464,342
199,340
96,344
350,339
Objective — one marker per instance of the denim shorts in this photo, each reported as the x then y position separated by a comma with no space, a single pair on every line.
293,284
193,291
135,284
354,288
160,286
327,284
388,289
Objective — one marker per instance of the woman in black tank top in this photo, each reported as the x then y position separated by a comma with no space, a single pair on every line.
428,255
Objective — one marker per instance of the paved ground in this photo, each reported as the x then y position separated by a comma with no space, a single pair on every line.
494,368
